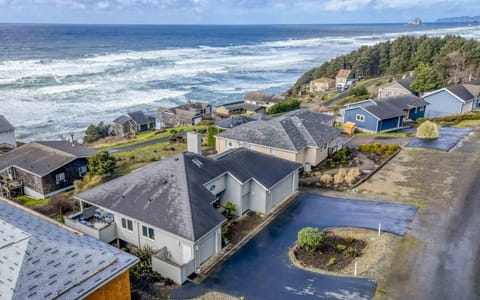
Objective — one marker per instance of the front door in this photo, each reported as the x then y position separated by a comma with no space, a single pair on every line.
245,202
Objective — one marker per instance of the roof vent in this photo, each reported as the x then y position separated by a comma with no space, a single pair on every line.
165,181
176,158
197,162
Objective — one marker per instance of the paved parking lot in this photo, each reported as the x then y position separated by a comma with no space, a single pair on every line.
449,138
262,269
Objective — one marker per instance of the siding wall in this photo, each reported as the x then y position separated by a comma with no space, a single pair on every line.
391,124
391,90
419,114
370,123
283,189
8,138
71,171
118,289
442,104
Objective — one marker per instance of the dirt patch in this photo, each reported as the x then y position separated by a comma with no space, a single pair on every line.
373,250
240,228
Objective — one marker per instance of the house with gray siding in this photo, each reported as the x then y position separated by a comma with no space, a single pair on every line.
7,134
385,114
132,123
453,100
301,136
174,205
42,169
396,88
183,115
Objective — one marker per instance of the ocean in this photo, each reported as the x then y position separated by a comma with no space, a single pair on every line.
57,79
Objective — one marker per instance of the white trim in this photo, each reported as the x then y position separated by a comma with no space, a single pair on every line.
363,101
361,107
360,118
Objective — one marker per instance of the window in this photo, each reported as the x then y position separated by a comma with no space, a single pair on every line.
422,108
229,144
416,110
127,224
148,232
272,151
360,118
82,170
60,177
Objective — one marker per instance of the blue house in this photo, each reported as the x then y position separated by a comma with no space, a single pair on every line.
453,100
386,114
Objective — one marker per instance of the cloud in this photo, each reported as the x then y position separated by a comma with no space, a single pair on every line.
406,3
103,4
349,5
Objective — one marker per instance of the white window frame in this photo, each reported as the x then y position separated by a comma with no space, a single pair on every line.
360,118
422,108
127,224
416,110
60,177
272,151
229,144
148,232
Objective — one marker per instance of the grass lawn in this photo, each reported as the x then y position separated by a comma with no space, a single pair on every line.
29,201
139,157
384,134
467,123
151,135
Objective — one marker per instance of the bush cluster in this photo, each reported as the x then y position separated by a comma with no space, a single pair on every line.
284,107
341,157
378,149
428,130
452,119
310,238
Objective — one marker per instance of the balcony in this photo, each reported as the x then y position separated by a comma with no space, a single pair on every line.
94,222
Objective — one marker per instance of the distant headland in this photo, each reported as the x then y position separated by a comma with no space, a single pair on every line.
464,19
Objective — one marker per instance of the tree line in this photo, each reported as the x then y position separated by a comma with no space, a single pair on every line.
454,58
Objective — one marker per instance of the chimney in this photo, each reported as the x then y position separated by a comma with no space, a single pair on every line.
194,142
72,140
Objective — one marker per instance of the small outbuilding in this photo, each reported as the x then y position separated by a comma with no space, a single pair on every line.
349,128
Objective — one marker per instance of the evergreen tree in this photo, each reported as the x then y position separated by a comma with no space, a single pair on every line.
101,164
91,134
426,79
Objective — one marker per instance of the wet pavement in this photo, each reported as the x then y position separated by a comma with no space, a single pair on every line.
449,138
262,270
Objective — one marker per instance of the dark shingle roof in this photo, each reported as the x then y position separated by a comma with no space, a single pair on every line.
292,131
461,92
240,105
40,259
233,121
406,82
392,107
41,158
263,97
138,117
5,125
169,194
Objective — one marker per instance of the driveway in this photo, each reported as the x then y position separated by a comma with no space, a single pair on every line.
448,139
262,270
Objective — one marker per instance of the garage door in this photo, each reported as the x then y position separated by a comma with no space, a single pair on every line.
206,248
282,190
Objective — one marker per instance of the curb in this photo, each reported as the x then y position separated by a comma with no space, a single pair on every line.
377,169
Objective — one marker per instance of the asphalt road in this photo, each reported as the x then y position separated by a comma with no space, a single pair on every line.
262,270
448,139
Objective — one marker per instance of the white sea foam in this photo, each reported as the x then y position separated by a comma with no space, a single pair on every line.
62,95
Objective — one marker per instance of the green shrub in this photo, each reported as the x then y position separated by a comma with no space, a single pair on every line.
340,247
211,132
284,107
427,130
310,238
357,90
331,163
351,252
101,163
332,261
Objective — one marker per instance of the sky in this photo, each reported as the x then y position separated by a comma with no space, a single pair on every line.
231,11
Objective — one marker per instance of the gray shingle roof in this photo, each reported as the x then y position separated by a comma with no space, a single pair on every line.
138,117
392,107
41,260
233,121
41,158
263,97
406,82
5,125
170,195
461,92
292,131
240,105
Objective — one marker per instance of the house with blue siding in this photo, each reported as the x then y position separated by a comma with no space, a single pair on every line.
386,114
453,100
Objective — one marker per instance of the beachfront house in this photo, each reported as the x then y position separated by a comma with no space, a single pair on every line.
174,205
7,134
386,114
262,99
43,259
321,84
344,79
238,108
132,123
396,88
452,100
300,136
42,169
183,115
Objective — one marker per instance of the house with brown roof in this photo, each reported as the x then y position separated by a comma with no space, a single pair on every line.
452,100
344,79
183,115
322,84
262,99
43,169
238,108
396,88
